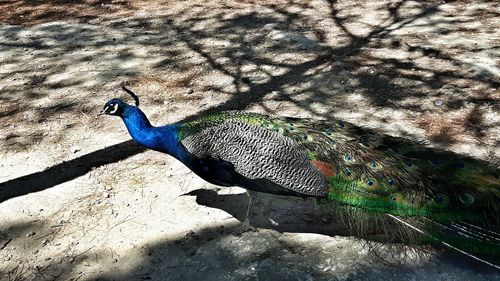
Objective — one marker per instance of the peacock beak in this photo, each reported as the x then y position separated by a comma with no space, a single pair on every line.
104,111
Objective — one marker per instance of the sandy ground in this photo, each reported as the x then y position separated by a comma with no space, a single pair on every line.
80,201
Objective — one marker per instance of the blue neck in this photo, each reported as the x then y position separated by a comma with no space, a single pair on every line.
163,139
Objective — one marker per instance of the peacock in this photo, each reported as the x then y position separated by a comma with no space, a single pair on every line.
445,198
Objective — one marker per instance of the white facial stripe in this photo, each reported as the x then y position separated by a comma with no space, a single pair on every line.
105,109
115,109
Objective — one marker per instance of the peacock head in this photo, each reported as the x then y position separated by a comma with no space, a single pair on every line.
113,107
116,106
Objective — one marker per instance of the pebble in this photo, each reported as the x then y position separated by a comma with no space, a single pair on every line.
270,26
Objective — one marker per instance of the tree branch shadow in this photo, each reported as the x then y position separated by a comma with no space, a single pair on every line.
380,88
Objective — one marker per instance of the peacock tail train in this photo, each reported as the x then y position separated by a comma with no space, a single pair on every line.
443,197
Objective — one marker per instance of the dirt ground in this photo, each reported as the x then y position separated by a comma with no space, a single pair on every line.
80,201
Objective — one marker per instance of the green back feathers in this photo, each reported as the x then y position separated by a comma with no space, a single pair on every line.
195,126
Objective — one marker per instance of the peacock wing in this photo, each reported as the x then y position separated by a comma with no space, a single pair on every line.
263,157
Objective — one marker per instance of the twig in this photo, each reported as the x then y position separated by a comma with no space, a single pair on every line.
5,244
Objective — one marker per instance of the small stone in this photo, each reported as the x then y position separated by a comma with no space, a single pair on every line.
115,260
106,195
31,233
190,91
438,103
270,26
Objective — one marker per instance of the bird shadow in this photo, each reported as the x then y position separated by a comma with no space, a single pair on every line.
305,215
67,170
280,213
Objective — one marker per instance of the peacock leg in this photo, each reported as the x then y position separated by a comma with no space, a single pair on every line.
246,221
